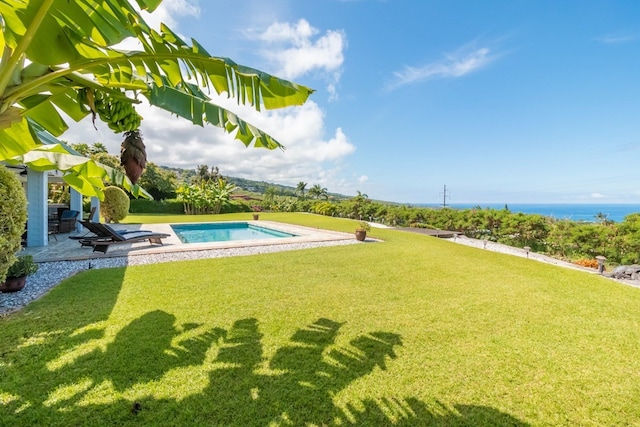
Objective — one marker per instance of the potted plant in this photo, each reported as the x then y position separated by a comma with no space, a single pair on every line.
256,212
361,230
18,272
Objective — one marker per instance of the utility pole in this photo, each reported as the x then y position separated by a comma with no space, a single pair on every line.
444,197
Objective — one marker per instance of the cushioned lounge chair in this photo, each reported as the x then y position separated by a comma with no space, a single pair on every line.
114,237
97,232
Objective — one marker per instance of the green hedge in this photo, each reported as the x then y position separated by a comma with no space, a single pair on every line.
139,206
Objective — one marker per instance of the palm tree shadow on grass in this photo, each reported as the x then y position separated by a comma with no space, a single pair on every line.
306,375
295,387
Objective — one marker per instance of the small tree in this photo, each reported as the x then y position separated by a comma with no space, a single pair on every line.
160,183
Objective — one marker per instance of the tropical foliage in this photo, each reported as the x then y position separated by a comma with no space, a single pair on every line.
87,74
207,197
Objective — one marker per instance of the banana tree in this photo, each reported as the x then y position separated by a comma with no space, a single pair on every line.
60,60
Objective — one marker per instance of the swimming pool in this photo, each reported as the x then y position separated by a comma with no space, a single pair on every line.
224,232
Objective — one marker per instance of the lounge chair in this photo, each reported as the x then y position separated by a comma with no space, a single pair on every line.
97,232
115,237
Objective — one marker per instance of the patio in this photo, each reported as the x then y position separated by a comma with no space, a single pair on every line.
63,248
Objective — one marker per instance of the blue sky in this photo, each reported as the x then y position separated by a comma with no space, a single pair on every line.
501,101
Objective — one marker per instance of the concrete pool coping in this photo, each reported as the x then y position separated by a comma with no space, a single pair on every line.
63,248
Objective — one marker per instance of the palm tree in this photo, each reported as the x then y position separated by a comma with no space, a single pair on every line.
603,218
300,189
98,147
85,74
318,192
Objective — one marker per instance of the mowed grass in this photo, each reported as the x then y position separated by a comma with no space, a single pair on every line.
410,331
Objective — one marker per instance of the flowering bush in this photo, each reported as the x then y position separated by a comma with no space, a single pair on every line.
590,263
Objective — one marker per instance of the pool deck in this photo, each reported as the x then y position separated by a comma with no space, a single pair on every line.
63,248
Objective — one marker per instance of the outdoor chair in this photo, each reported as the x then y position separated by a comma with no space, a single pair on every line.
115,237
67,221
96,231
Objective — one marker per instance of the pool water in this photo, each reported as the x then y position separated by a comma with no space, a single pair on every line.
224,232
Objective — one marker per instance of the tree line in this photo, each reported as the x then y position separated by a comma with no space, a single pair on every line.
205,190
560,238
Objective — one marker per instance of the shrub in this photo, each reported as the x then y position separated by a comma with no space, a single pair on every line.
363,225
139,206
115,206
13,216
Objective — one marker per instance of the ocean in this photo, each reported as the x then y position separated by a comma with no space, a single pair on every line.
573,212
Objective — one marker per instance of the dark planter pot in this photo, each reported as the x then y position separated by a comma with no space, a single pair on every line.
361,235
256,217
13,284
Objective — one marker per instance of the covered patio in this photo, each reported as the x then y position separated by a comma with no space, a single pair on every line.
42,217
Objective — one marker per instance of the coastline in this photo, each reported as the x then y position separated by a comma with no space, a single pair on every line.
580,212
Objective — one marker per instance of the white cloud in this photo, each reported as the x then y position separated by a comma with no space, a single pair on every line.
172,141
598,196
298,34
310,155
295,51
456,64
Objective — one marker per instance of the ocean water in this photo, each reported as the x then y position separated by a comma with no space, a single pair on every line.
573,212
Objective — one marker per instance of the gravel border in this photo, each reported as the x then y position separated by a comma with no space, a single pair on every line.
51,274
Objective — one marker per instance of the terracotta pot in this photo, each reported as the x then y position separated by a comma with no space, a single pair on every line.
13,284
256,216
361,235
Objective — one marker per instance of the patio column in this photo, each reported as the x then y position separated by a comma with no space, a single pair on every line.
76,205
37,212
95,203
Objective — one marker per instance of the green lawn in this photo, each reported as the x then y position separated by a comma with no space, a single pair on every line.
412,331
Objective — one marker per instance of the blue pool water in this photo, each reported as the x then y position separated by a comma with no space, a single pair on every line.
224,232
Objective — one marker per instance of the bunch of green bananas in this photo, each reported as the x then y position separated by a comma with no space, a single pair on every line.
117,113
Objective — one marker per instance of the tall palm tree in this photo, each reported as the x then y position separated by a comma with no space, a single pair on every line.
98,147
300,189
60,55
